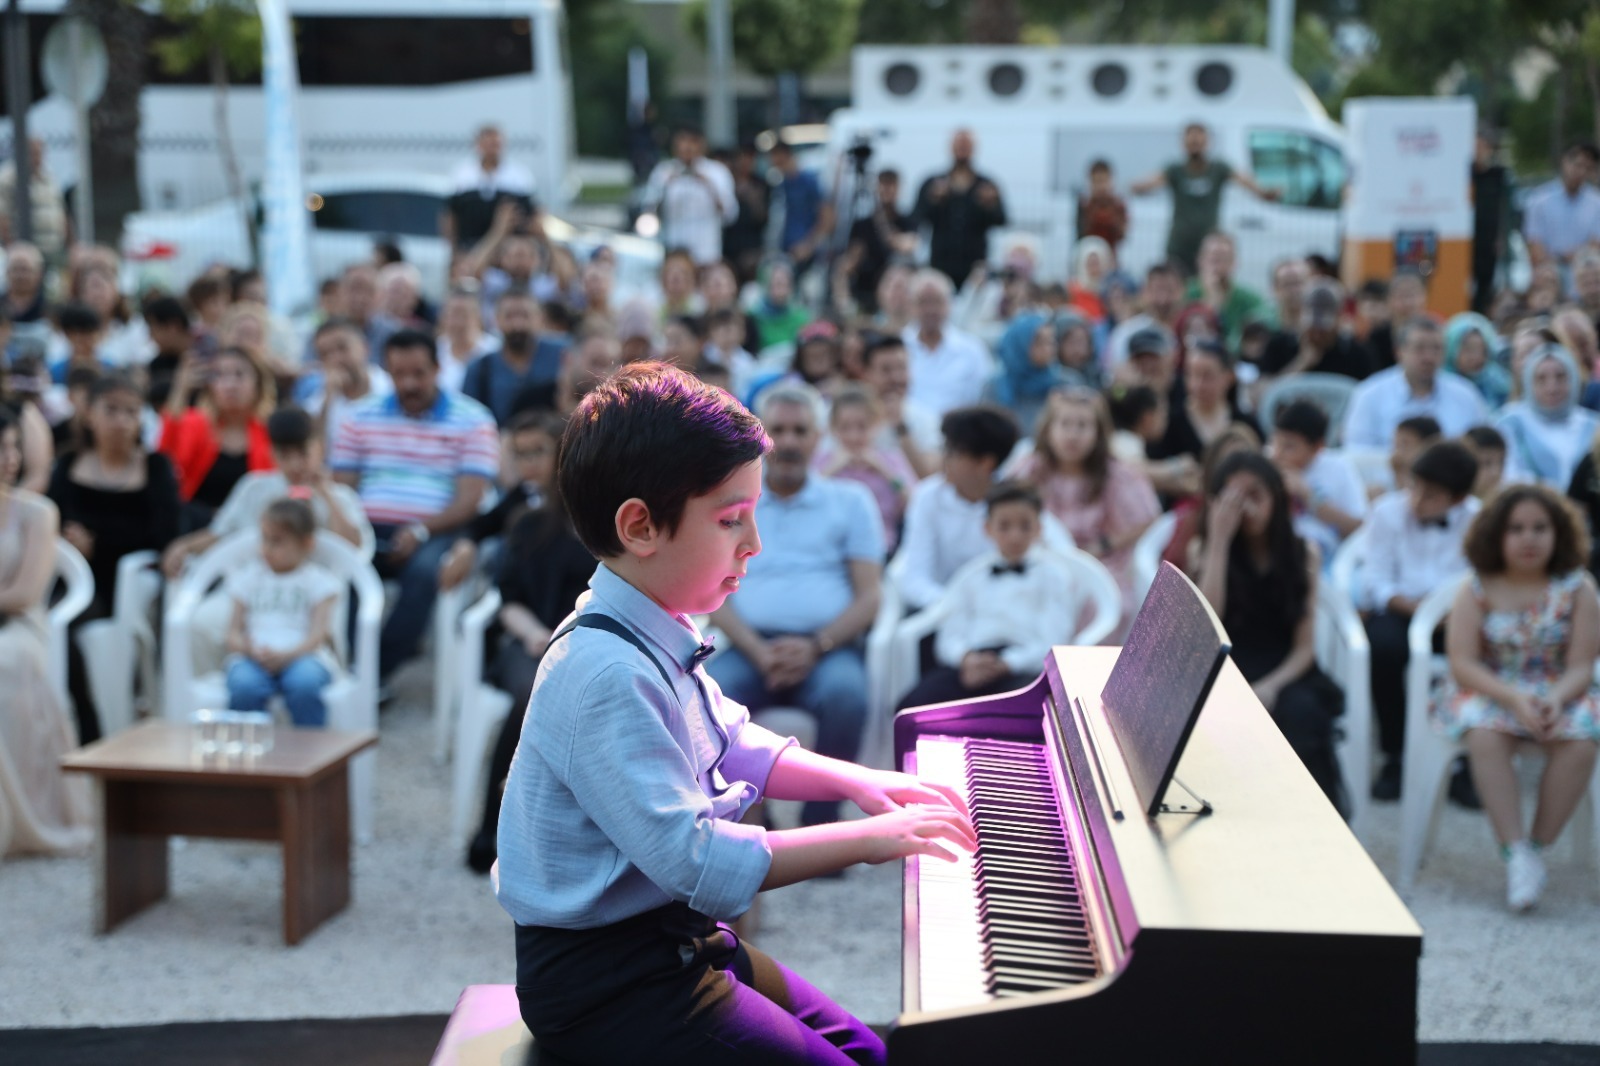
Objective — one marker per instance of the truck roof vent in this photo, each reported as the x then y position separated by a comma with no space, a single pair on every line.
1109,79
1213,79
901,79
1005,79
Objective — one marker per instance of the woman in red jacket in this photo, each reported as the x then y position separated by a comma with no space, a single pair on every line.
223,437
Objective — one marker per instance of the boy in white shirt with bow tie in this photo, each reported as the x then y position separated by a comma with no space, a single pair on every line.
1007,607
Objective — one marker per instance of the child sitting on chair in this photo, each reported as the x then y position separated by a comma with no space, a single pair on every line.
1007,607
1523,636
279,636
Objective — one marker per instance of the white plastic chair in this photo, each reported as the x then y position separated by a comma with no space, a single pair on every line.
72,570
447,611
1344,655
352,698
1147,552
1100,590
1372,464
1429,754
1331,392
123,647
1345,571
480,708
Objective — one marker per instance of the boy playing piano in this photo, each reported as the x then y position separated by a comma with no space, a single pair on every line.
620,842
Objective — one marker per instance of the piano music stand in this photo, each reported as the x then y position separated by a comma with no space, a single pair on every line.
1161,679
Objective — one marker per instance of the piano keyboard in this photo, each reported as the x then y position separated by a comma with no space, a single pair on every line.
1008,920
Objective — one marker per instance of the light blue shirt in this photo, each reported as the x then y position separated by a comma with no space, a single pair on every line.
624,796
1562,224
801,580
1384,400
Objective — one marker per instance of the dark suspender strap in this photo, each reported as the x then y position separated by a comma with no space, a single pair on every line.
594,620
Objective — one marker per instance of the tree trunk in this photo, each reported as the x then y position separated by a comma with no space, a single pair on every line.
994,22
218,66
114,120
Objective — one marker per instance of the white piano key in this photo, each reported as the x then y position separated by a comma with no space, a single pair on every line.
949,931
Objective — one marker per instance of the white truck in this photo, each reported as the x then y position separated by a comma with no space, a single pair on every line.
1041,115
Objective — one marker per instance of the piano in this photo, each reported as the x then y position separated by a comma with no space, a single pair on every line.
1083,931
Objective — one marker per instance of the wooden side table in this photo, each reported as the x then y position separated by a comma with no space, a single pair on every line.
151,783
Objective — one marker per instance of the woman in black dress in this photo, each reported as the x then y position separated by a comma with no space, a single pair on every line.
115,498
1261,579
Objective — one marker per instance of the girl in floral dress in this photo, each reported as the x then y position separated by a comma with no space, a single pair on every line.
1522,639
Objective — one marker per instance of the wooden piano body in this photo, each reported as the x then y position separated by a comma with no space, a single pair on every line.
1260,933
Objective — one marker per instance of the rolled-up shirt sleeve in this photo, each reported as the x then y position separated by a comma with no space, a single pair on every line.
752,749
613,750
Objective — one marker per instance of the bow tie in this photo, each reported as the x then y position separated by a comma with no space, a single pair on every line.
1008,568
1434,523
701,654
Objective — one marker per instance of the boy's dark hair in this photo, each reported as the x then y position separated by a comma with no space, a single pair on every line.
410,340
203,289
984,431
1099,166
1485,438
336,323
557,316
1484,545
1373,289
878,342
651,432
1423,427
294,517
1449,465
78,318
82,377
1303,418
1131,403
1005,492
166,311
290,428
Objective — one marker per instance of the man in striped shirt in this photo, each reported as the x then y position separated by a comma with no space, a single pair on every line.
421,461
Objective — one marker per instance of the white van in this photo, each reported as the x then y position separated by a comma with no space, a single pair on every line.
1041,115
392,86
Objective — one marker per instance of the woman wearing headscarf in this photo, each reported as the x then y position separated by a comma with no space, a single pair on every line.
1028,366
1471,349
1547,434
1092,263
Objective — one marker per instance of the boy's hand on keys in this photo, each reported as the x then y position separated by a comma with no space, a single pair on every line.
883,791
917,830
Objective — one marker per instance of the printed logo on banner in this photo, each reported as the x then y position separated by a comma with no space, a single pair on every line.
1418,140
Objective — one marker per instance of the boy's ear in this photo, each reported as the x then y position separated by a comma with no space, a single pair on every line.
636,529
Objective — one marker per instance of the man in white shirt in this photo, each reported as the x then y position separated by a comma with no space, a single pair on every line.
695,197
1563,215
481,184
1413,546
948,367
1415,386
908,427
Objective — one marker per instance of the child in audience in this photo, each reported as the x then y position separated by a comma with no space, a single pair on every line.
1104,503
1411,436
1138,418
725,348
1523,637
1413,545
1261,579
621,843
534,437
945,516
683,339
1008,607
1324,489
1238,438
82,327
1489,448
279,635
852,450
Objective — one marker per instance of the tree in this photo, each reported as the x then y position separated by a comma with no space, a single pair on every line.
994,22
601,33
114,120
773,37
224,38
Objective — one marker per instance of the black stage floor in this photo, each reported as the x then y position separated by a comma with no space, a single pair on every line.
410,1039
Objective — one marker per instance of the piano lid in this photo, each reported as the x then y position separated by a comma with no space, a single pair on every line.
1275,856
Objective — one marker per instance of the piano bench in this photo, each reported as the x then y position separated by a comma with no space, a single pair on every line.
486,1029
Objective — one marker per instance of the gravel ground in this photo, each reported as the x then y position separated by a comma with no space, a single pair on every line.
422,926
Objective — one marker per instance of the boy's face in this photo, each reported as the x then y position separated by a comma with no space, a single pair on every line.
969,475
1429,501
83,343
726,336
1291,451
299,466
1491,468
534,455
281,549
169,336
1013,527
699,566
1406,446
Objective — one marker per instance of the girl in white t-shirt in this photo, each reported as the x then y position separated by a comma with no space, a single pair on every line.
279,636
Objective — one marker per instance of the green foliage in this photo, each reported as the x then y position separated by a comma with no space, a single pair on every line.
772,37
600,33
911,21
211,29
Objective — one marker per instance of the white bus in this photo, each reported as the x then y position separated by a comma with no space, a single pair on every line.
397,86
1041,115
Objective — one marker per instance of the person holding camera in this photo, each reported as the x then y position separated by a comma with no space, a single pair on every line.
695,198
959,207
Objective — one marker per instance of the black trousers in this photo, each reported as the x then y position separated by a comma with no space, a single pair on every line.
1388,633
673,986
1305,714
514,672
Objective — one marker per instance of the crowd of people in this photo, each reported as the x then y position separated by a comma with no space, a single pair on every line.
970,423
